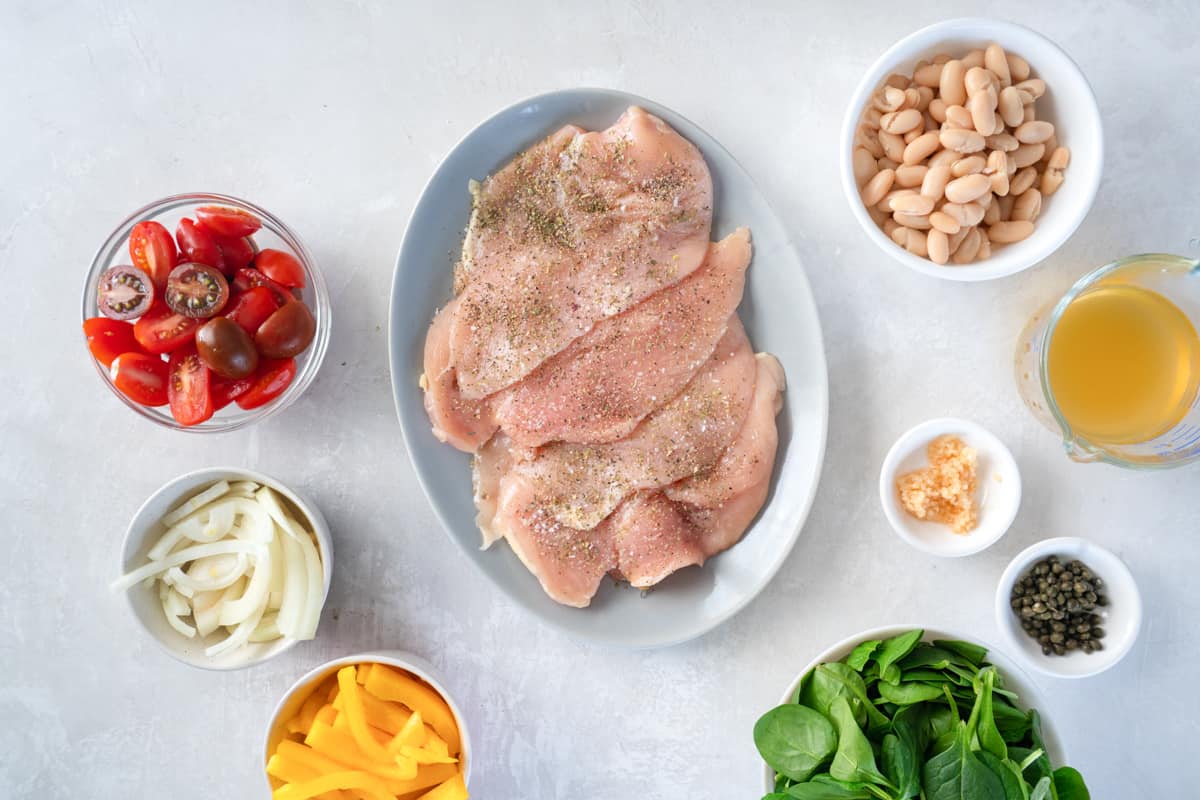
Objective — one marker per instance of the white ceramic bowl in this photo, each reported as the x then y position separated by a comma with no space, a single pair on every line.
1122,616
1029,695
999,483
145,529
291,701
1069,103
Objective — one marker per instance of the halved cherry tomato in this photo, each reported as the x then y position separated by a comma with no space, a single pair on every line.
226,222
225,390
251,308
273,376
124,292
198,245
280,267
236,253
248,278
153,251
161,330
188,387
141,378
286,333
109,338
196,290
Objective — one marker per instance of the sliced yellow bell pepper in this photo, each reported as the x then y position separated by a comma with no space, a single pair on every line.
386,716
356,716
453,789
328,714
363,671
321,764
352,779
423,756
342,746
290,771
308,711
413,733
390,684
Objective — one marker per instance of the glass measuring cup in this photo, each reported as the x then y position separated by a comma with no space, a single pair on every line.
1173,279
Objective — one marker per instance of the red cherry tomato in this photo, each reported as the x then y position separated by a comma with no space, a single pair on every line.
188,387
226,222
249,278
251,308
198,245
161,330
153,251
273,376
236,253
109,338
141,378
283,268
225,390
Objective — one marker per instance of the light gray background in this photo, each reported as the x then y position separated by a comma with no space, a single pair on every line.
333,115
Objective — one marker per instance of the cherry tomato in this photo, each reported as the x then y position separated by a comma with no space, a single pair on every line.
251,308
287,332
109,338
226,349
226,222
272,377
281,267
124,292
161,330
153,251
188,387
195,290
249,278
225,390
197,245
236,253
141,378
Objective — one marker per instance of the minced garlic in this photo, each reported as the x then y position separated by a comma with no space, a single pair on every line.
945,490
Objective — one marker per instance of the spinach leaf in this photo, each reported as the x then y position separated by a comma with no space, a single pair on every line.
1012,723
1008,773
824,787
957,774
926,655
906,694
776,796
854,759
1040,768
1069,784
794,740
1042,790
904,750
942,721
835,680
895,649
971,652
804,688
989,735
860,655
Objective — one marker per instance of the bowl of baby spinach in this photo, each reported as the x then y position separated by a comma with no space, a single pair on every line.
903,712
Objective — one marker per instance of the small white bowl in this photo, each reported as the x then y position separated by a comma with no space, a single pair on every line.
291,701
1029,695
999,483
1122,616
145,529
1069,103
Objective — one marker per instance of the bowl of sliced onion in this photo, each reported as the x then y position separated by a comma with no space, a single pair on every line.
226,568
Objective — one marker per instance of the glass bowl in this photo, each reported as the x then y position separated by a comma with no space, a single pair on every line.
274,234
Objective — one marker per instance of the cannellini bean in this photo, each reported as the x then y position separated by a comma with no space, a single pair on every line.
871,118
967,188
928,75
934,183
917,244
1035,86
944,158
1023,180
924,97
973,59
938,246
937,109
968,248
1003,141
911,175
1059,158
985,249
897,81
931,124
1051,146
958,117
878,186
960,214
982,106
921,148
885,204
967,166
900,121
991,215
956,239
1051,180
1011,108
917,221
889,225
1010,231
1028,154
1027,206
1028,114
911,97
886,163
999,183
899,234
1018,67
864,166
893,145
961,140
889,98
951,84
943,222
996,60
942,58
868,139
914,133
976,80
915,204
1005,204
997,161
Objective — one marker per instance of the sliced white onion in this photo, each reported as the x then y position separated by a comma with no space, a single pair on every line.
295,589
182,557
314,596
277,575
257,590
268,629
208,574
206,609
270,502
199,501
174,607
241,634
243,488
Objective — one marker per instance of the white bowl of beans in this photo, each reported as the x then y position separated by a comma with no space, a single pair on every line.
972,149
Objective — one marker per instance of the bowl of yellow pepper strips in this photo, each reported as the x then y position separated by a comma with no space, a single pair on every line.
375,725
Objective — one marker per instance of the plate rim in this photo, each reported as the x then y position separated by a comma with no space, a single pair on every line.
821,386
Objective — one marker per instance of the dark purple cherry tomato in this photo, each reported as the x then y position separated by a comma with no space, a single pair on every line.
124,293
226,349
196,291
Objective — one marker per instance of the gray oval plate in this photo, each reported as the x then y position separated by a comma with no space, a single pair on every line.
779,314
